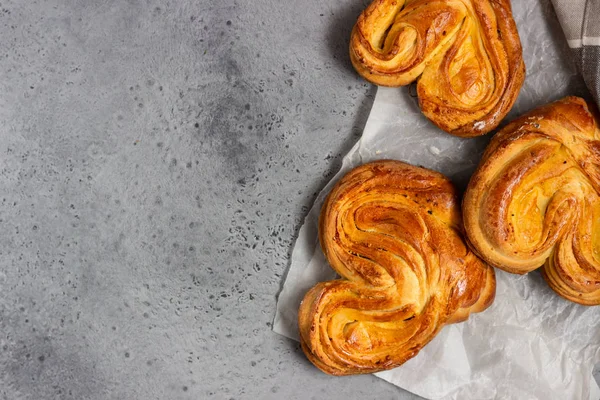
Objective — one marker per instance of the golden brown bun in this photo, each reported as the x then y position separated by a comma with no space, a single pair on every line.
534,199
467,54
393,232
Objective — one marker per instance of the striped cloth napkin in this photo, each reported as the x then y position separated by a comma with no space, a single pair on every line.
580,20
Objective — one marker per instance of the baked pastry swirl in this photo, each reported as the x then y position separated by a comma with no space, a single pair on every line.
535,199
466,55
393,233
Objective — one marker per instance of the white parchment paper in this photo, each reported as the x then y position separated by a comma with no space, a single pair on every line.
530,344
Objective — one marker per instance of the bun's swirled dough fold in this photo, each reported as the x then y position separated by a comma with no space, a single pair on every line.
465,54
393,232
535,199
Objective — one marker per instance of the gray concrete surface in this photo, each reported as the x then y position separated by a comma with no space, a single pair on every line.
157,158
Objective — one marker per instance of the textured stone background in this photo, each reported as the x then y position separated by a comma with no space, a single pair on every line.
157,158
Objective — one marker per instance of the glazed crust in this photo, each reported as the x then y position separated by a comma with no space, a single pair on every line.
393,232
534,199
466,55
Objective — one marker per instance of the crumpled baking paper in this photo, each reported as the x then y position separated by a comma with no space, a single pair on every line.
530,344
